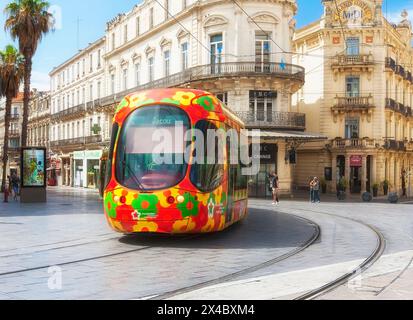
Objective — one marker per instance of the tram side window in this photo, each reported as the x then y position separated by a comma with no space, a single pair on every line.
108,174
207,177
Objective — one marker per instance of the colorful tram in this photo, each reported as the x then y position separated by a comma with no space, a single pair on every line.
143,196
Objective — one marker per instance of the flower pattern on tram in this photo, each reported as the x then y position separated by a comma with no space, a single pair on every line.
184,98
131,211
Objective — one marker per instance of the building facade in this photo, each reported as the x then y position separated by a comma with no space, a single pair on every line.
39,120
359,93
77,128
16,120
240,53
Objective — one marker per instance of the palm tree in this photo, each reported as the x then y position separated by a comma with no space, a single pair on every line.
28,21
11,76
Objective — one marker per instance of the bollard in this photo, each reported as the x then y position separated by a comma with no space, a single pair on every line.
367,197
393,198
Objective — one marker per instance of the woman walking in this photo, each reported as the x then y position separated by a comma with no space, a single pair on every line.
275,183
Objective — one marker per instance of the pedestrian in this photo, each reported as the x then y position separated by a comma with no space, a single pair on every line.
275,183
311,190
316,187
15,181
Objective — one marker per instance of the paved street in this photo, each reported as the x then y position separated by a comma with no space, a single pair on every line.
248,261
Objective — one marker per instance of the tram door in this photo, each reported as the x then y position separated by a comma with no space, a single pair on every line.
232,176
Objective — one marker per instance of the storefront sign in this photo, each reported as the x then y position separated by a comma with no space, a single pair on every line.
356,161
89,154
263,94
268,153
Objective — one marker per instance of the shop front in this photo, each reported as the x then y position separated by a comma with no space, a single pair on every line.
87,168
259,185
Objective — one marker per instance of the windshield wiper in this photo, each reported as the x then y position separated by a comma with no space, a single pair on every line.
133,175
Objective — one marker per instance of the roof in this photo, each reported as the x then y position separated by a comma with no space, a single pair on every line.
19,98
287,135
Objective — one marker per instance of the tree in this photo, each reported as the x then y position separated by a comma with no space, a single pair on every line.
11,76
28,21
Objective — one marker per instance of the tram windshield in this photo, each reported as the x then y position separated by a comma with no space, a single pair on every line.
151,148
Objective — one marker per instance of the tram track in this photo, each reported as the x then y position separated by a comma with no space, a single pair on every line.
110,255
229,277
367,263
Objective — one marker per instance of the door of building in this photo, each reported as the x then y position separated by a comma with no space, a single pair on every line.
355,183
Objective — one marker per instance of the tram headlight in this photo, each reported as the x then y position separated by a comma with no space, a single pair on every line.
180,199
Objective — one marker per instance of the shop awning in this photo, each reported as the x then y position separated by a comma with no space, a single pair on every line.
287,135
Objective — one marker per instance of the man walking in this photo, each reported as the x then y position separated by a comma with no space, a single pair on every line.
275,185
316,188
15,183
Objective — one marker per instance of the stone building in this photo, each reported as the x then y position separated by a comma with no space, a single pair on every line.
359,93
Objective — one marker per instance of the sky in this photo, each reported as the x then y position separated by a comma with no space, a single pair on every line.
90,17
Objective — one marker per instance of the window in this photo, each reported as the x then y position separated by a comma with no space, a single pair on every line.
223,97
91,92
207,176
112,84
125,79
184,49
84,66
352,86
151,70
125,34
262,105
137,74
217,45
150,18
99,59
167,61
91,63
137,163
352,128
262,51
167,7
184,4
113,41
99,89
83,95
138,26
352,46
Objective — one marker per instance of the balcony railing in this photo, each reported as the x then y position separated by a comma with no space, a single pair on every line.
395,145
215,71
354,103
354,143
400,71
353,60
278,120
77,141
79,109
14,133
398,107
14,117
390,63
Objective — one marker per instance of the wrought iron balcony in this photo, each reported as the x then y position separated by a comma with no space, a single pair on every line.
354,103
400,71
354,143
395,145
390,64
398,107
77,141
214,72
360,60
14,133
78,110
14,117
273,120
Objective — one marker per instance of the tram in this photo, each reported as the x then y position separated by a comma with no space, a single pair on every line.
142,195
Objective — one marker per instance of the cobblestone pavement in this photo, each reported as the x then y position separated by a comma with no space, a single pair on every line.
71,232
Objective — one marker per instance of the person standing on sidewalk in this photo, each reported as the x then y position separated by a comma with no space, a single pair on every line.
316,188
15,181
275,183
311,184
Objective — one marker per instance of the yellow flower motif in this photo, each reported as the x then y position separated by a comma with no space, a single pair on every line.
138,98
184,98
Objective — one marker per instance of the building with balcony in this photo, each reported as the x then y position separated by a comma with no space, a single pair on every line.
359,93
239,54
16,120
39,120
75,125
